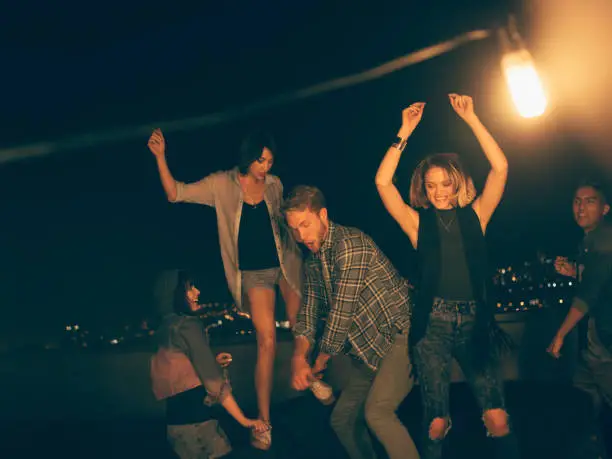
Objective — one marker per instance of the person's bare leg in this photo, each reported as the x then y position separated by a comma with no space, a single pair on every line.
292,300
262,313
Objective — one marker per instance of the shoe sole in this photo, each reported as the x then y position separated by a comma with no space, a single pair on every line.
260,445
327,401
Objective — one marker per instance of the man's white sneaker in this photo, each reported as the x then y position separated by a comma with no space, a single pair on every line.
323,392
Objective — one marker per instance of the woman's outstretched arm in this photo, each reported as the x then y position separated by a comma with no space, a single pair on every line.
404,215
201,192
487,202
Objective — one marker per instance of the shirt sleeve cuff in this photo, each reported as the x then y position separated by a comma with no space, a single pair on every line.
304,334
301,329
329,349
179,192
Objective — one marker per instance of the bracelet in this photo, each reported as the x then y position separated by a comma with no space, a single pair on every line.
400,144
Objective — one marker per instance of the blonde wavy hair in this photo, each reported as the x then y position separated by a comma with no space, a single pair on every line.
465,192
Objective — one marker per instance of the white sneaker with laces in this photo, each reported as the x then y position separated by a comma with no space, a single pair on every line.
262,440
323,392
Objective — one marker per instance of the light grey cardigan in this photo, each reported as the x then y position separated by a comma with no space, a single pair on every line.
222,191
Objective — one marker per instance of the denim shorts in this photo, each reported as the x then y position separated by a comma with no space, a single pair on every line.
196,441
262,278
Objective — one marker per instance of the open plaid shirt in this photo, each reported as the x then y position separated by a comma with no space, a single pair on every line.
364,299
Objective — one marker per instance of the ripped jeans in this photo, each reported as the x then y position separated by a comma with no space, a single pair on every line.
448,336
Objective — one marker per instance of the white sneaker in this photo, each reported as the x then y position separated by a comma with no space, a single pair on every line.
323,392
262,440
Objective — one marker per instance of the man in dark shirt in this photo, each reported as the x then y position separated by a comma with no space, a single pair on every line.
594,296
367,309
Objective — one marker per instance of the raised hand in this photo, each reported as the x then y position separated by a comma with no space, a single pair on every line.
224,359
411,117
564,267
463,106
157,143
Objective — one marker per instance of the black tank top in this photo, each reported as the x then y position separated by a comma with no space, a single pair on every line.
429,250
454,283
256,244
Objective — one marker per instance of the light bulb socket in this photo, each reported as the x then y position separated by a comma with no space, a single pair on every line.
510,39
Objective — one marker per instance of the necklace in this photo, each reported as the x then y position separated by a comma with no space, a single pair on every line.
447,226
250,199
251,202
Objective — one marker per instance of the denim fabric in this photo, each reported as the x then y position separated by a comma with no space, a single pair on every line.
205,440
222,191
261,278
448,336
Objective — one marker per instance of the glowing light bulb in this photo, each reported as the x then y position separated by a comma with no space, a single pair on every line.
524,83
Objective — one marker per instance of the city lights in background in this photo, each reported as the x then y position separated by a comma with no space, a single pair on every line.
530,286
222,320
517,289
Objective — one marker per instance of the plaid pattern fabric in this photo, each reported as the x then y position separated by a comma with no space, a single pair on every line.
354,286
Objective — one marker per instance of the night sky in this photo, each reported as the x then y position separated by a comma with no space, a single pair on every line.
84,231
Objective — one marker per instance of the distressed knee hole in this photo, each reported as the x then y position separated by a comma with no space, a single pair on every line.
496,422
438,428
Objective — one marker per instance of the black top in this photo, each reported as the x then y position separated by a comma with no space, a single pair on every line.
488,339
454,282
188,407
256,244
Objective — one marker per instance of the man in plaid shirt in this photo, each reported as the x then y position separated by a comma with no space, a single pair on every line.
354,286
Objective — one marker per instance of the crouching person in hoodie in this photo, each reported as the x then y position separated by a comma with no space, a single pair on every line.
186,374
